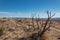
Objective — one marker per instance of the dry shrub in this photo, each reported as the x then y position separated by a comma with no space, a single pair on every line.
1,31
42,29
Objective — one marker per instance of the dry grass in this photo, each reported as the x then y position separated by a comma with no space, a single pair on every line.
22,28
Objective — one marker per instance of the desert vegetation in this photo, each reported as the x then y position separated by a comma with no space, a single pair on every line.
29,28
42,28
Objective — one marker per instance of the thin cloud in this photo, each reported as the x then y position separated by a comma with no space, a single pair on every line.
27,15
14,14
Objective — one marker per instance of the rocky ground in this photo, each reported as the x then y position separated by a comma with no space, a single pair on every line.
14,29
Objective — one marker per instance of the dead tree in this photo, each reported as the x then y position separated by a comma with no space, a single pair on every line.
42,29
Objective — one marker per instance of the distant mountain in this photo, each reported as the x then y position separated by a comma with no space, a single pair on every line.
54,19
57,19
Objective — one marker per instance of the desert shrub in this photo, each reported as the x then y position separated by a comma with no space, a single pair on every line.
11,30
59,37
19,20
42,29
1,31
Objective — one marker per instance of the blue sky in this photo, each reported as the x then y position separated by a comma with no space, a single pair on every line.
26,8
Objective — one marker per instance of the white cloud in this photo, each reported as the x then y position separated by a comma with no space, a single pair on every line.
14,14
22,14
